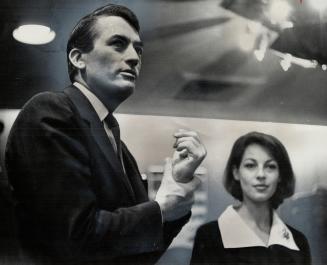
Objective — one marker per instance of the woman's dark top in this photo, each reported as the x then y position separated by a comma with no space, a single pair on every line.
209,248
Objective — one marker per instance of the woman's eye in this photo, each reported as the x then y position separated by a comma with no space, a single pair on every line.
249,166
272,166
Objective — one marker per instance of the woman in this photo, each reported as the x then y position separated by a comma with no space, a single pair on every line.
258,174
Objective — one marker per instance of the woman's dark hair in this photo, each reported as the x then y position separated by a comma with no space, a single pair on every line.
83,34
276,149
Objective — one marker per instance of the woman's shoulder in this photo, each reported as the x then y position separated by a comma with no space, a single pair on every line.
296,233
209,228
302,243
209,234
299,238
212,230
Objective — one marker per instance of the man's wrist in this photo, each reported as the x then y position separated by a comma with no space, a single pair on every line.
192,185
184,178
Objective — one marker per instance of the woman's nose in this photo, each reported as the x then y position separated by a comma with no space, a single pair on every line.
261,173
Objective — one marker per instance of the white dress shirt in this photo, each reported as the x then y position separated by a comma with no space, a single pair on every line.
100,109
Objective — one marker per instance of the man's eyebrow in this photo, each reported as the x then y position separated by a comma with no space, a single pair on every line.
125,38
118,36
139,45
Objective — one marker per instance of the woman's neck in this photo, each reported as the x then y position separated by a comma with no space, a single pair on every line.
258,217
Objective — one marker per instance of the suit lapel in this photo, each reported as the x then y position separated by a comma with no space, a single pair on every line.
140,186
88,113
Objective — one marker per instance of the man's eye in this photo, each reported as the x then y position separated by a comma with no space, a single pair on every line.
139,50
119,44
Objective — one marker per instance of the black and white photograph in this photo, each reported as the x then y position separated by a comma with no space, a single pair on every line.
163,132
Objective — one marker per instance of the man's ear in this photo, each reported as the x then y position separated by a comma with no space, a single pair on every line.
75,57
235,173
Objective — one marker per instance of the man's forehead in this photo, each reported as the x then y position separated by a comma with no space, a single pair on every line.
114,25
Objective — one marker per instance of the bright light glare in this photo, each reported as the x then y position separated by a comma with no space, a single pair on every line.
259,54
254,27
247,41
287,25
34,34
279,11
285,65
319,4
286,62
324,67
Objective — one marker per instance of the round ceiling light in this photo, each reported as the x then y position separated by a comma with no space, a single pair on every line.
279,11
34,34
320,5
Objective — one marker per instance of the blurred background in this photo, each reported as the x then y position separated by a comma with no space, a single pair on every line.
221,67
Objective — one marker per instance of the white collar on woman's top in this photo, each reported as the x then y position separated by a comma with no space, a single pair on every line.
235,233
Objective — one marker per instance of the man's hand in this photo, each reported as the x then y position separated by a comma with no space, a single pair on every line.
189,154
175,199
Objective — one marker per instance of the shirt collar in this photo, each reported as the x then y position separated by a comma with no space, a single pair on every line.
245,237
98,106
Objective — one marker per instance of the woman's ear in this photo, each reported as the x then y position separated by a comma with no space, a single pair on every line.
235,173
75,57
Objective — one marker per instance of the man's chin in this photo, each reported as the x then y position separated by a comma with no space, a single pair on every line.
126,89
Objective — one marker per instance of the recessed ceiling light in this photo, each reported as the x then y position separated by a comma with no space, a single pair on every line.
320,5
279,11
34,34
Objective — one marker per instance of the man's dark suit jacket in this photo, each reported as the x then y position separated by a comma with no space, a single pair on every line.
74,201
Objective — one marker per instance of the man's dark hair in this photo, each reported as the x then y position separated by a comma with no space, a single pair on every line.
276,149
84,34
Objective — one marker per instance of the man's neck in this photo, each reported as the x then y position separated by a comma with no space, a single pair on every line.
96,103
107,101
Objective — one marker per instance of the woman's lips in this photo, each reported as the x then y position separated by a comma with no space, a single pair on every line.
261,187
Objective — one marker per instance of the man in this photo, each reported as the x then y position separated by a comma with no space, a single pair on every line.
80,195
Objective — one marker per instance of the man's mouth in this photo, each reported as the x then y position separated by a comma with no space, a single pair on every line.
128,74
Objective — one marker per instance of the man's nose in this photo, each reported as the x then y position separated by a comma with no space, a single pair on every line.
132,57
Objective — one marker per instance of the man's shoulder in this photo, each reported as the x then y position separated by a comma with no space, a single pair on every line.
47,99
48,102
46,106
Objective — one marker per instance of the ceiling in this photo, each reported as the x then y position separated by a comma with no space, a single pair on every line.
192,65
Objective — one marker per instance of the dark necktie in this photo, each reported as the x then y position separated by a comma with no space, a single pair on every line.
114,127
